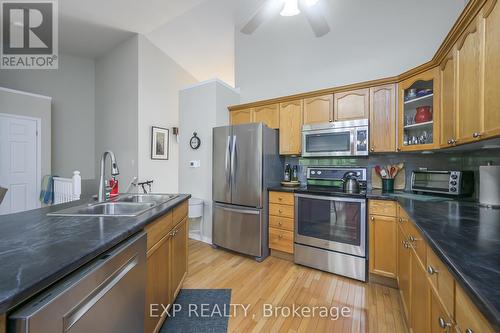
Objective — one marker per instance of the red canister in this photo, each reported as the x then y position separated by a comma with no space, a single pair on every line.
423,114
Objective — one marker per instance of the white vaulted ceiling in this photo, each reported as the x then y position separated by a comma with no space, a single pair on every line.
200,35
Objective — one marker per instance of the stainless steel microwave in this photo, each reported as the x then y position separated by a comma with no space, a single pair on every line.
339,138
459,183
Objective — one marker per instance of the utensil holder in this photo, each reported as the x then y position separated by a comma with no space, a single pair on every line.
388,185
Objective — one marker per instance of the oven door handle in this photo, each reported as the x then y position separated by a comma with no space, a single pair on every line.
330,198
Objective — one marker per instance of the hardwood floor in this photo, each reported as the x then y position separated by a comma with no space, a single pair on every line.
374,308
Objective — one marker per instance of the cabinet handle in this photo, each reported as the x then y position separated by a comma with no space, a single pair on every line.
372,149
280,236
443,323
280,211
431,270
412,239
476,135
406,245
372,218
400,220
279,223
450,141
398,149
280,198
469,331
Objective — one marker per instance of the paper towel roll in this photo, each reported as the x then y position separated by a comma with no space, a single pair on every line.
489,185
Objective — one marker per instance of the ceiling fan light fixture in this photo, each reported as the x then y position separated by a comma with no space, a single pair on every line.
291,8
310,3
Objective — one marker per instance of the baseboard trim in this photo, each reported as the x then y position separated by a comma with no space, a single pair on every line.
282,255
386,281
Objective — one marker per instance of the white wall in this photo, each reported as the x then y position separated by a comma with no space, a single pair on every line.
201,40
72,90
30,105
116,105
368,40
160,79
202,107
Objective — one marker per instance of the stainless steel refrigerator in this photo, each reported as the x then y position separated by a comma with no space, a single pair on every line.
245,163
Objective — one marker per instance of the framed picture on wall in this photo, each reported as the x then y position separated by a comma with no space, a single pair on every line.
159,143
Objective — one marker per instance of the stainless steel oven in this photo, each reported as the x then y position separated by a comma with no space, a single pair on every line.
341,138
330,234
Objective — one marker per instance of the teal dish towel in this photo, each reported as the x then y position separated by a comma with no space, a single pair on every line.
47,193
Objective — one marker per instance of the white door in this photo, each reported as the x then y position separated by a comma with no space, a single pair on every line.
18,163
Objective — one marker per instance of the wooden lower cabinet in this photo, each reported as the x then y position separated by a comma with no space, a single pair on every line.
383,252
467,316
166,264
281,225
157,284
419,297
440,320
404,270
178,260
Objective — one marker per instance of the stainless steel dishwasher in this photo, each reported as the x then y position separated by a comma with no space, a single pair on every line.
106,295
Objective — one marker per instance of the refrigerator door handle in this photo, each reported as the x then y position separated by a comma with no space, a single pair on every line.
227,160
237,210
233,158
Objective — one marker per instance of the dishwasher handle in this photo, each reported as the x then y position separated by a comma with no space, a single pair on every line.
76,313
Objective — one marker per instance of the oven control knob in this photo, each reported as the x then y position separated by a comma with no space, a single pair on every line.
453,182
453,189
319,172
453,176
313,172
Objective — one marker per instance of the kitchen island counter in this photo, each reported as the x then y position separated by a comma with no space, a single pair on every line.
37,250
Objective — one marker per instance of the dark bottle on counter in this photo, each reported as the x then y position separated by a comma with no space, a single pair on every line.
288,173
295,174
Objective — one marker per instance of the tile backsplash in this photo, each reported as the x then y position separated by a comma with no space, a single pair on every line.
435,161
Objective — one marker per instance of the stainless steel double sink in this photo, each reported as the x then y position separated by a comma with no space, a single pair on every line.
125,205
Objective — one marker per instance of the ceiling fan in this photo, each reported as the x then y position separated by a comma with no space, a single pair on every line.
271,8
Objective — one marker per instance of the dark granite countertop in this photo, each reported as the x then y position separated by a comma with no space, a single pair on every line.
466,236
285,189
37,250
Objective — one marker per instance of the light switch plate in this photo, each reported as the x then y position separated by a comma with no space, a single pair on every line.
194,164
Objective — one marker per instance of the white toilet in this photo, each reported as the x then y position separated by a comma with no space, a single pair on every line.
195,215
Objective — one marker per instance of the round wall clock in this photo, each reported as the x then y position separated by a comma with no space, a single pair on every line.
195,141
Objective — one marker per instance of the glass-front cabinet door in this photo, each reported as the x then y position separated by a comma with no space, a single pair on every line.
419,112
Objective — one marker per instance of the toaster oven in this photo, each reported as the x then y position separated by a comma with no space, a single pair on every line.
457,183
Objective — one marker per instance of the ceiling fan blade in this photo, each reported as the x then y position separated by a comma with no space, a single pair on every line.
315,18
266,11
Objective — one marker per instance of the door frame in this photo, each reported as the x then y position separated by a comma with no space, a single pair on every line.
38,149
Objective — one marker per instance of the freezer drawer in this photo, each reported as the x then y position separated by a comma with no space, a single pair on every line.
106,295
238,228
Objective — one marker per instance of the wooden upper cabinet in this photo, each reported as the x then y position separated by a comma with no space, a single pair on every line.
318,109
351,105
243,116
448,113
291,127
470,83
267,114
383,251
383,118
491,17
419,93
